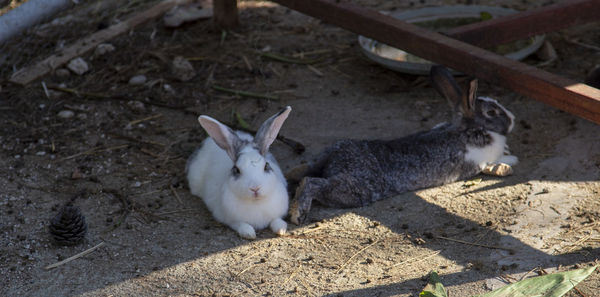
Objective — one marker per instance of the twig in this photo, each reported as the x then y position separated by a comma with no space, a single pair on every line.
148,152
133,139
292,275
115,97
244,93
316,228
315,70
579,292
475,244
577,243
588,46
288,60
355,254
95,150
45,89
175,193
247,63
152,117
528,272
419,259
314,52
245,269
67,260
178,211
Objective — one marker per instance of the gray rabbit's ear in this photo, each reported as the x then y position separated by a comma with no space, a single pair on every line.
444,83
269,129
468,106
223,136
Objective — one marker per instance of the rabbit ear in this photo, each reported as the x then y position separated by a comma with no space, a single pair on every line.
444,83
468,105
223,136
268,130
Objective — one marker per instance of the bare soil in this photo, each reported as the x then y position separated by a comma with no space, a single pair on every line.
121,159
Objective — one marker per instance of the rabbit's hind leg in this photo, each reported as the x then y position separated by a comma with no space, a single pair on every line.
340,191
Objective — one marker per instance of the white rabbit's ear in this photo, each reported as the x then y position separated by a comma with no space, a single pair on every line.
268,130
223,136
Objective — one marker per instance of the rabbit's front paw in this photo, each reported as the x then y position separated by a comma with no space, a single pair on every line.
278,226
245,230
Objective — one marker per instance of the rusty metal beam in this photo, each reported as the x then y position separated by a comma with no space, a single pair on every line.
528,23
225,14
570,96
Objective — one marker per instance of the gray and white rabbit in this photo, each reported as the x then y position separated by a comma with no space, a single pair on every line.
238,178
354,173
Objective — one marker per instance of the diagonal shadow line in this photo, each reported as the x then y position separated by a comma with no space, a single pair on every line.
418,214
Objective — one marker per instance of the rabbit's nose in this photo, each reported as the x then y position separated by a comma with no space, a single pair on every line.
255,189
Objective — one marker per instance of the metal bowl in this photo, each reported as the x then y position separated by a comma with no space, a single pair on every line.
401,61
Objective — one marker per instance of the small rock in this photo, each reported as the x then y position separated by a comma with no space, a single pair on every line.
82,116
103,48
138,80
182,69
65,114
136,105
62,72
78,66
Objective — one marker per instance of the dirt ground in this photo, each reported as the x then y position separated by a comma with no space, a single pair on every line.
121,154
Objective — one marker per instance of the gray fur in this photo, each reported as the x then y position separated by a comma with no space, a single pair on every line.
355,173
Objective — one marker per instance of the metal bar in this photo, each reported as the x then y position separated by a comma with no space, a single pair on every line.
225,14
575,98
529,23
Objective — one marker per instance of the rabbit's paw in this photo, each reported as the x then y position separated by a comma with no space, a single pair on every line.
278,226
244,230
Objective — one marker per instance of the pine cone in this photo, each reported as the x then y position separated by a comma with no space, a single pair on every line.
68,227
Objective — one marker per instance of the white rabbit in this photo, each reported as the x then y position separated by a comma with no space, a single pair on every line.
238,178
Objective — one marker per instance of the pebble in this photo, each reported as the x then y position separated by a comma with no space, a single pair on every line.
78,66
103,48
65,114
136,105
138,80
182,69
62,72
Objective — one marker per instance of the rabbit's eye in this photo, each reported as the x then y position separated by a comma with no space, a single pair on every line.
491,113
235,171
268,167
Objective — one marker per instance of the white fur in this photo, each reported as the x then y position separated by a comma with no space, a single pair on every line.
492,153
230,199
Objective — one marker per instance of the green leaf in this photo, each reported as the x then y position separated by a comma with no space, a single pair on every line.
485,16
550,285
241,122
473,182
434,287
